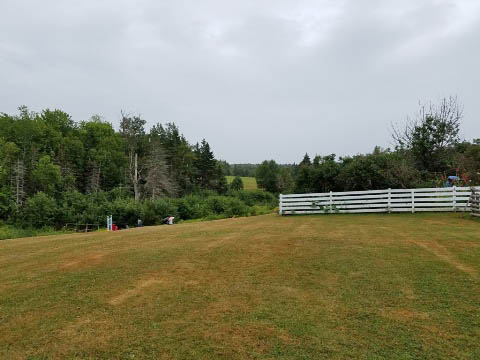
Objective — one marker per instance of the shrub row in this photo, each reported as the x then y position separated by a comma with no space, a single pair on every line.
74,207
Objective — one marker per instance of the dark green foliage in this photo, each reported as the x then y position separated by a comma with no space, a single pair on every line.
268,176
286,182
81,172
46,175
40,210
179,155
191,207
205,165
54,171
5,203
306,160
153,211
237,184
219,181
226,169
74,207
235,207
381,169
105,158
304,182
254,197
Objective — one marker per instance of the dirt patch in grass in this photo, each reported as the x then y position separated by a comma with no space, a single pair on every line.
404,315
444,254
88,260
140,287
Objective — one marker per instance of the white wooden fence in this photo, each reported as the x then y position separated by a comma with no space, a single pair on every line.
373,201
475,204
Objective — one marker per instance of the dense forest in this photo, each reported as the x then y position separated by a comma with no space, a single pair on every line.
55,171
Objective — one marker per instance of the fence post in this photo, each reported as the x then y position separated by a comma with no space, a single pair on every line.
280,205
389,200
331,201
454,198
413,201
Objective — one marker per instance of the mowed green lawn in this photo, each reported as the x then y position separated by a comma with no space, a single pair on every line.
397,286
249,183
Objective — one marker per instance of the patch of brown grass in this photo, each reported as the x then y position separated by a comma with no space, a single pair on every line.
444,254
140,287
266,287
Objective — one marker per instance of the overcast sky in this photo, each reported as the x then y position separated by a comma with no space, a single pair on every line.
258,79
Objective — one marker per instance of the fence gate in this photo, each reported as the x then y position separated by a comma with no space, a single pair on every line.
475,203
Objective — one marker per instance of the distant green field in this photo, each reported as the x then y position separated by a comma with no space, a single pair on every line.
249,183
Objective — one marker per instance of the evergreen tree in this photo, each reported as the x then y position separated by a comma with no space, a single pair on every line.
205,165
306,160
237,184
178,153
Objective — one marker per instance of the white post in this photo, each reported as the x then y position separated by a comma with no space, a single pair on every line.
413,201
280,204
389,200
331,201
454,198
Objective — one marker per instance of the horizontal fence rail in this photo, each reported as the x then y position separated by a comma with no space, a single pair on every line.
81,227
377,201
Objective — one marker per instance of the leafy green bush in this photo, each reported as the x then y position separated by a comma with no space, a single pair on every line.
40,210
236,207
252,197
12,232
153,211
74,207
126,212
192,207
216,204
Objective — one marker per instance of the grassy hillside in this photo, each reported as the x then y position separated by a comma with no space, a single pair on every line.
249,183
339,286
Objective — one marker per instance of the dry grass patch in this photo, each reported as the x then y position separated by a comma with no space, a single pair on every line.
366,286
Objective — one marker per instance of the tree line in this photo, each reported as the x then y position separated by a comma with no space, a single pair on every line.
54,170
427,149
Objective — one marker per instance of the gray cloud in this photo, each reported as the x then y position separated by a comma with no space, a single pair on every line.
258,79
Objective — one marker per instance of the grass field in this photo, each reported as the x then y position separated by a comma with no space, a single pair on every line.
396,286
249,183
